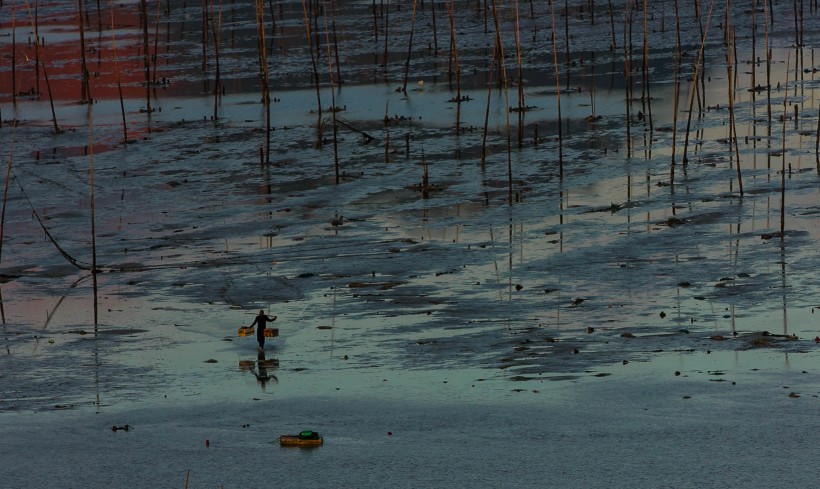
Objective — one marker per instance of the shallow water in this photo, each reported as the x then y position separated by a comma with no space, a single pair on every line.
601,278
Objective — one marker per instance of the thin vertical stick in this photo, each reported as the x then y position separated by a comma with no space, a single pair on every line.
628,75
496,49
645,88
732,126
39,62
117,71
86,92
692,89
612,27
817,146
335,42
558,93
409,48
783,152
217,35
767,14
156,41
146,55
450,9
333,108
13,62
3,215
677,99
260,16
36,45
506,103
435,34
5,197
93,225
315,70
521,103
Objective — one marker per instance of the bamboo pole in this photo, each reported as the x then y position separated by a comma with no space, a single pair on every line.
676,98
628,75
783,155
117,71
93,224
409,49
86,91
260,16
521,102
645,88
496,49
506,103
450,10
558,94
333,108
13,62
315,71
33,19
146,55
731,88
217,36
692,90
156,42
335,43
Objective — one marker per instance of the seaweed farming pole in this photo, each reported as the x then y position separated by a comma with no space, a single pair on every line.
521,103
450,9
263,56
496,48
817,145
3,213
13,76
767,15
117,71
333,107
335,42
506,103
156,41
558,94
146,55
628,75
409,48
435,33
783,154
315,71
39,62
612,27
731,88
86,92
216,33
693,87
676,101
386,36
93,226
647,98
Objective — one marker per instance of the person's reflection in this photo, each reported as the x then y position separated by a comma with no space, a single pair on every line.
261,372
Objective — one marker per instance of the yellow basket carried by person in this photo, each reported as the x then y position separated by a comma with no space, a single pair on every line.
248,331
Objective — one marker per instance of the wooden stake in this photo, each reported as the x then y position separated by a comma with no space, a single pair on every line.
409,48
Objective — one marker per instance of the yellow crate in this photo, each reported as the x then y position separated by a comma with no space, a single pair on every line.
245,331
271,332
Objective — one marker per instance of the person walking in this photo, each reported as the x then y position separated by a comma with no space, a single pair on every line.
261,321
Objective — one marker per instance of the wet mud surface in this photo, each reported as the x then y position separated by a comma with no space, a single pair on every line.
390,249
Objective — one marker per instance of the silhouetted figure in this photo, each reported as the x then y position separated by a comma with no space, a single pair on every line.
260,321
